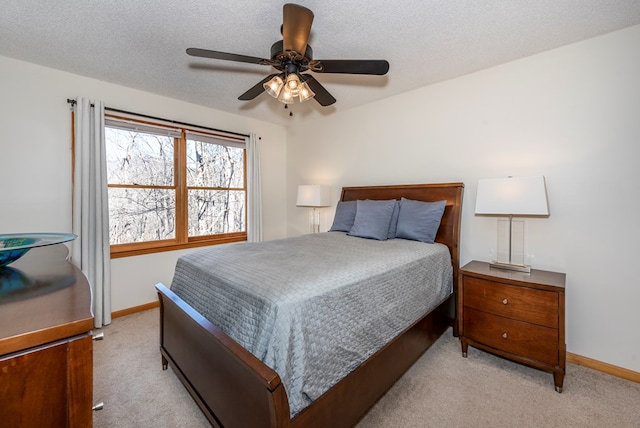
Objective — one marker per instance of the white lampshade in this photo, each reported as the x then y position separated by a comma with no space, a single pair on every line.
313,195
525,196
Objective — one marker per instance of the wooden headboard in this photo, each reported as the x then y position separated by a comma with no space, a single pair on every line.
449,231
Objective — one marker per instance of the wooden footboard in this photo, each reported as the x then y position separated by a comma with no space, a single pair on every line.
235,389
232,387
346,402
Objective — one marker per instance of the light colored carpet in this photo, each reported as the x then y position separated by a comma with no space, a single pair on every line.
128,378
441,390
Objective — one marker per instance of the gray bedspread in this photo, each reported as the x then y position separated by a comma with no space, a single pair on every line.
314,307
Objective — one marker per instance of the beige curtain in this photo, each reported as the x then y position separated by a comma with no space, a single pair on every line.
254,189
91,251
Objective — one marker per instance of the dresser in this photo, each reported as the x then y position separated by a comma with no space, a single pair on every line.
515,315
46,347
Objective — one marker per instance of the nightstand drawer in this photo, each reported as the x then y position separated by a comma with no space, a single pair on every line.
516,337
521,303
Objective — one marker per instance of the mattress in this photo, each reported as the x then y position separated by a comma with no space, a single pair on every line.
314,307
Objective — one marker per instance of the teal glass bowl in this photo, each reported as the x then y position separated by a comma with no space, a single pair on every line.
15,245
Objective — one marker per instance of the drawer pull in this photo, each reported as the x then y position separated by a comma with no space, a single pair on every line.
504,302
504,335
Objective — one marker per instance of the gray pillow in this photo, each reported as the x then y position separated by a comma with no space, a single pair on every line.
344,217
394,221
419,221
373,219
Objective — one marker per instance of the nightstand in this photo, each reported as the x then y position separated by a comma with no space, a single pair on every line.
515,315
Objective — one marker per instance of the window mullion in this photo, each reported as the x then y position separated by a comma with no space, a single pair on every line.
181,190
246,198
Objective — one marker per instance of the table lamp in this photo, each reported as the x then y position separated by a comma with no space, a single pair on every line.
512,196
314,196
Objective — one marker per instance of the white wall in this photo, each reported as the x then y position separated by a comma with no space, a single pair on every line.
571,114
35,162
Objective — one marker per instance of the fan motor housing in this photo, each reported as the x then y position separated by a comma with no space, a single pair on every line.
280,55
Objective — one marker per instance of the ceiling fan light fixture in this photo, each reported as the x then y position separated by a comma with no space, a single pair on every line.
293,83
305,93
274,86
286,95
288,90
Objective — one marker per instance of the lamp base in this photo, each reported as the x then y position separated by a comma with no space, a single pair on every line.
314,220
510,266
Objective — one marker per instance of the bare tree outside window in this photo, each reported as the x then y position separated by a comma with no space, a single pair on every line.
215,182
138,212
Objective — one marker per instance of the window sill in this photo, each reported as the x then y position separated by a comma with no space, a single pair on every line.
136,249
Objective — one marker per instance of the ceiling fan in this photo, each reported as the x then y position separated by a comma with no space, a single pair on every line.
292,56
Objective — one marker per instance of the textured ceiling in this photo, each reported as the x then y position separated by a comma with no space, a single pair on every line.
141,44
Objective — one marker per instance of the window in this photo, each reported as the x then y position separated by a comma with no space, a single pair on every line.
172,187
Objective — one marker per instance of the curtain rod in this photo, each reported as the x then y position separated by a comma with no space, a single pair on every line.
73,103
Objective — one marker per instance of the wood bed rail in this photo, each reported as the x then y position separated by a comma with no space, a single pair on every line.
219,374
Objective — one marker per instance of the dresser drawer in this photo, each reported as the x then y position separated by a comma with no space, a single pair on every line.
521,303
516,337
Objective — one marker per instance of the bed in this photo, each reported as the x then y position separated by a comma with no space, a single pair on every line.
233,387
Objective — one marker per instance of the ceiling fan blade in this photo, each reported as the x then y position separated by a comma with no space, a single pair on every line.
322,95
353,66
296,27
205,53
256,90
